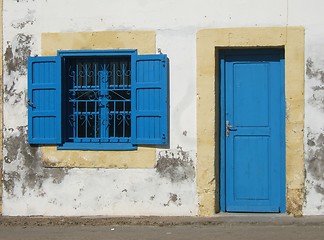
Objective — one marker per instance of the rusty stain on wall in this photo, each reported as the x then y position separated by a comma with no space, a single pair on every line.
175,165
30,172
17,52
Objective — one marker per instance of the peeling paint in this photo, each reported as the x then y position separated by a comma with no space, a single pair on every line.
28,19
319,189
8,58
9,181
310,142
173,198
311,72
316,98
30,170
175,165
174,173
12,93
17,52
315,160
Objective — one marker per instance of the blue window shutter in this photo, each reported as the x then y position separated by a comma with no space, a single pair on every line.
44,100
149,122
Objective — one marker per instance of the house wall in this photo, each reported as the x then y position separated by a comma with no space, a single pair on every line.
1,24
169,181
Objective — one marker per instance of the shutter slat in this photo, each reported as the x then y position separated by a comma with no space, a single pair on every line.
44,100
150,99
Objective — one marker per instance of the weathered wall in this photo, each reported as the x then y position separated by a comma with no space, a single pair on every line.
314,108
1,24
35,189
314,135
158,182
166,183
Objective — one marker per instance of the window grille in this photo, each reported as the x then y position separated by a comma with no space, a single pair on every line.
99,99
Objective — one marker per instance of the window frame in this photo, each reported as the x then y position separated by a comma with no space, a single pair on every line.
62,98
94,145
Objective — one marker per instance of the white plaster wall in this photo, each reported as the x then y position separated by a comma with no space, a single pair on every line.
102,191
314,125
105,192
311,18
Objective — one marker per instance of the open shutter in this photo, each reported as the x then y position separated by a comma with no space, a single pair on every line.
150,99
44,100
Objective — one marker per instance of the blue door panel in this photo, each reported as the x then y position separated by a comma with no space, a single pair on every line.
252,159
251,174
254,107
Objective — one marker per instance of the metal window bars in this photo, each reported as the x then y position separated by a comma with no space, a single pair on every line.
99,108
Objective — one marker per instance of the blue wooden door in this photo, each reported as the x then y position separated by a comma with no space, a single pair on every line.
252,129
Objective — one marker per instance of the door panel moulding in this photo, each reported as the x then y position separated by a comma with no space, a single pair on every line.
252,130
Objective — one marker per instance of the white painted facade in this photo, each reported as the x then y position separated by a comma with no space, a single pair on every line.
81,191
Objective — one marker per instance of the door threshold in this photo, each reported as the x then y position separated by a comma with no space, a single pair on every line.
250,214
254,217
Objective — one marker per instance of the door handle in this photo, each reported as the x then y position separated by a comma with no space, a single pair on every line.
229,128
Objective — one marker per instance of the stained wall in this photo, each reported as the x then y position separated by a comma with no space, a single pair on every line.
1,24
168,181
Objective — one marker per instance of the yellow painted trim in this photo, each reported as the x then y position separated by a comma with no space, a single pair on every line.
208,41
144,42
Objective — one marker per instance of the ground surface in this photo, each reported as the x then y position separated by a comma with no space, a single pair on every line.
225,232
249,227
